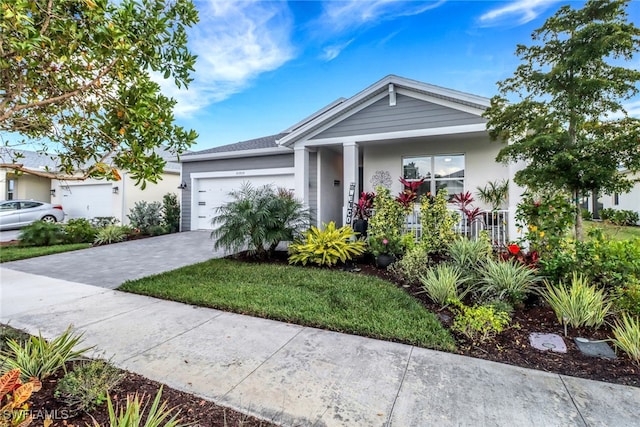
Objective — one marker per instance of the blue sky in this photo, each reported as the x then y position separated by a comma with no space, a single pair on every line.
265,65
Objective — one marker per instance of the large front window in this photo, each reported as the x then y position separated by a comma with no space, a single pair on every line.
438,172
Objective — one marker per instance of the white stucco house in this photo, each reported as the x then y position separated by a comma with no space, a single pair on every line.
394,128
90,198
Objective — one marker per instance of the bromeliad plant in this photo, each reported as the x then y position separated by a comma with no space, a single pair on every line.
326,247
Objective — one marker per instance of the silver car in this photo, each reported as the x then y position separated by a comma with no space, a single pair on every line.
18,213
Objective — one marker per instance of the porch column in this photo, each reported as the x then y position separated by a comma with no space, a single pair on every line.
515,197
301,167
350,174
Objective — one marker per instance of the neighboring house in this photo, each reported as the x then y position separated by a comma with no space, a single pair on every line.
89,198
394,128
624,201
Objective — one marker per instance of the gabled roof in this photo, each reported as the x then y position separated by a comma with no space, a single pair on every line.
30,159
250,144
466,99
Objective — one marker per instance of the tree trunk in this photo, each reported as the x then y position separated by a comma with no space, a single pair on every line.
578,226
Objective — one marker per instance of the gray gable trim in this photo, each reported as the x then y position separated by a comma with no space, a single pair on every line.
377,89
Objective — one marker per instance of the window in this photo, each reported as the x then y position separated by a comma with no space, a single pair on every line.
10,206
11,188
444,171
27,205
616,199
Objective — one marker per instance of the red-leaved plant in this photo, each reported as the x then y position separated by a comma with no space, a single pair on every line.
409,194
513,251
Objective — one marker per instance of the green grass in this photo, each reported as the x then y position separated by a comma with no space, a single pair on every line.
335,300
613,231
14,253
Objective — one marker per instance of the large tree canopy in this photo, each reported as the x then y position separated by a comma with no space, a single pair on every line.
569,124
76,75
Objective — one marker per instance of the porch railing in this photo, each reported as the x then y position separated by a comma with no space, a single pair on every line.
495,223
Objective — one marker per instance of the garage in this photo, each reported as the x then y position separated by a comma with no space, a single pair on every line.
211,192
87,201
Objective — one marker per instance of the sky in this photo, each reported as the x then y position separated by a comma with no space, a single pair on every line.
265,65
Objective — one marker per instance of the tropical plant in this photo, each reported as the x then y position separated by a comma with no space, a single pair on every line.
570,127
579,304
13,396
442,284
437,223
507,280
480,322
409,194
364,205
79,230
412,265
135,413
385,245
86,387
326,247
40,358
111,234
41,233
468,255
79,80
626,336
389,217
494,193
171,212
144,216
258,219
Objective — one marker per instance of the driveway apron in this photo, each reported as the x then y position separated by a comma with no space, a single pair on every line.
111,265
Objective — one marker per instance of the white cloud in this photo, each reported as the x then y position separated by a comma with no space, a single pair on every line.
330,53
517,12
235,42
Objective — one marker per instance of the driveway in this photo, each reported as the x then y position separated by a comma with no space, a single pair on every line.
110,265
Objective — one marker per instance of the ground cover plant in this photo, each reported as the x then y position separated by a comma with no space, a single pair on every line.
76,395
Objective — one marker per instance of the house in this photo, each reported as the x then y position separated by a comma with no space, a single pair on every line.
624,201
394,128
90,198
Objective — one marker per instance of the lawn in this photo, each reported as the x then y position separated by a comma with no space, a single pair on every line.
328,299
613,231
14,253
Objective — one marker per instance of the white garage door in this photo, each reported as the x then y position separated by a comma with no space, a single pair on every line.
87,201
214,192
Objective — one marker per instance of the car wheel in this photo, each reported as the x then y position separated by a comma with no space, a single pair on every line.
49,218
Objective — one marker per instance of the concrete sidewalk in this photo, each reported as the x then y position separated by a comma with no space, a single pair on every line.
298,376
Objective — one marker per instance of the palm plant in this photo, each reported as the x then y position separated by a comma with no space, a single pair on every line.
258,219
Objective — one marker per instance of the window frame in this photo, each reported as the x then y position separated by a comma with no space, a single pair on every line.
432,180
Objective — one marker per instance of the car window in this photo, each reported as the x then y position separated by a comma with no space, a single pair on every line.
9,206
27,205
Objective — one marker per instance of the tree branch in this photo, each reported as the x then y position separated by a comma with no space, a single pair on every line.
43,174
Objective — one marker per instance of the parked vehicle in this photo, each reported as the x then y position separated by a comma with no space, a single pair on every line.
18,213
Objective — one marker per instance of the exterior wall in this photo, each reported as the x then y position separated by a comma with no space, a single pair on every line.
130,193
626,201
30,187
408,114
218,165
480,164
313,183
330,194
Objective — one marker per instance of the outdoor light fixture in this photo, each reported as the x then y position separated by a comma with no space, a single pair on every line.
182,186
115,190
52,191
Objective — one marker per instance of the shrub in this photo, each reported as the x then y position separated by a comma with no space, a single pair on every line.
13,398
86,387
145,215
326,247
79,230
389,217
437,223
442,284
507,280
41,233
578,305
111,234
619,217
627,298
171,213
468,255
134,414
258,219
608,263
39,358
383,245
104,221
626,337
412,265
480,322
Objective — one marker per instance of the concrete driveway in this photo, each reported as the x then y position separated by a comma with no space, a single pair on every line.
110,265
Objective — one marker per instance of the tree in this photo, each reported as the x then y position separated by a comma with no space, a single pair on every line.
569,125
76,76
